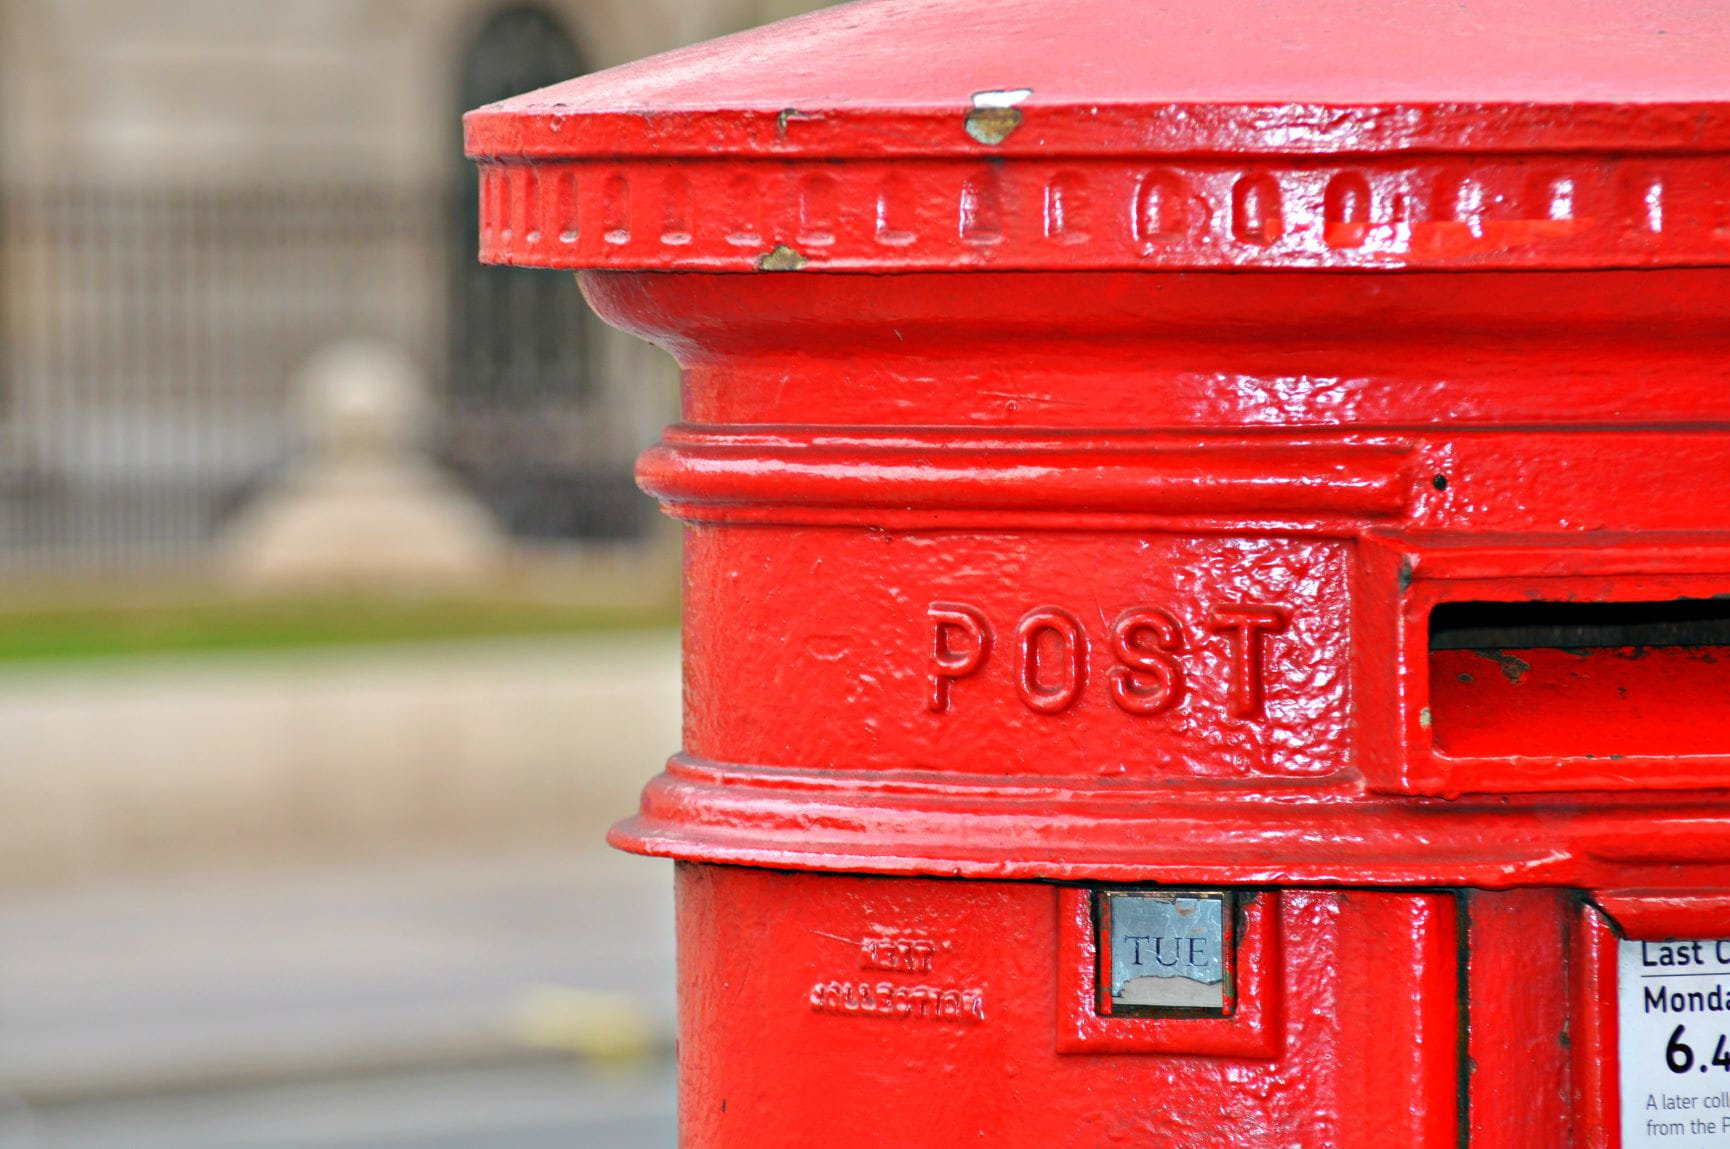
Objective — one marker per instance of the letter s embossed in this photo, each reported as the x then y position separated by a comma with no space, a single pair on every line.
1149,678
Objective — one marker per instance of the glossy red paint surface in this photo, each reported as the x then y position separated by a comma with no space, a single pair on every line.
784,1042
1119,440
1615,703
1112,75
1255,1025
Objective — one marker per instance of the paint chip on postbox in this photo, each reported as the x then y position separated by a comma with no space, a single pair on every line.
1165,950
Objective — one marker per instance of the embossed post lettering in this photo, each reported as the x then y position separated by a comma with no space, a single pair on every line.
1069,667
960,642
1147,643
1150,679
1245,623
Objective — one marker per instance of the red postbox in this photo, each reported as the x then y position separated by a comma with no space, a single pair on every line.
1207,563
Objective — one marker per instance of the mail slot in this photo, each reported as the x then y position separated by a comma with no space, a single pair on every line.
1581,680
1205,563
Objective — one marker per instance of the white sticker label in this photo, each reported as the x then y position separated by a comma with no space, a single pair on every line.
1673,1003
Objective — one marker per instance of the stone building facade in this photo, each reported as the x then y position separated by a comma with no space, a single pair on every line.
196,195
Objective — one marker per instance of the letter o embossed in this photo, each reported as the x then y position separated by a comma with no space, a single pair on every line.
1069,668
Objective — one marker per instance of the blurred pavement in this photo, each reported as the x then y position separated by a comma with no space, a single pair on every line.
199,761
515,1108
488,1002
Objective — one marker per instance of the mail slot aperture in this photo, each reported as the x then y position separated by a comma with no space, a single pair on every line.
1580,679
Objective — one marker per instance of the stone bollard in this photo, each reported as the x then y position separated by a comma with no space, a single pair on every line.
363,508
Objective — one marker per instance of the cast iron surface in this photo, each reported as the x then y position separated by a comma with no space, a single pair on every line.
1087,407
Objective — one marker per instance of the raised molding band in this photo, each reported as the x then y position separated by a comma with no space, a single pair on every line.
1320,831
800,473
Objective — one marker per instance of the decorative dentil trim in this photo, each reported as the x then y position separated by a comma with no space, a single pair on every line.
1533,212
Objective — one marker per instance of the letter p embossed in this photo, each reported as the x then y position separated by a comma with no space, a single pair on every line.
960,642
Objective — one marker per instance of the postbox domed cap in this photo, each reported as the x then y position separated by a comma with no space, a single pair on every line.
931,134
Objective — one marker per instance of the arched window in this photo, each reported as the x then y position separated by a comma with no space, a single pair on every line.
526,422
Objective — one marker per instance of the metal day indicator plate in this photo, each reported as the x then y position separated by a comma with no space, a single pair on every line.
1165,953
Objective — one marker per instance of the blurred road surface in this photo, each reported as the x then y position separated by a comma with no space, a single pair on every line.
455,1003
524,1107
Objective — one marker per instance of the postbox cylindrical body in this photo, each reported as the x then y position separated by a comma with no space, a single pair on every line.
1207,607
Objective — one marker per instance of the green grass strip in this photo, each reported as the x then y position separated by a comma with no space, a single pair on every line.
61,632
